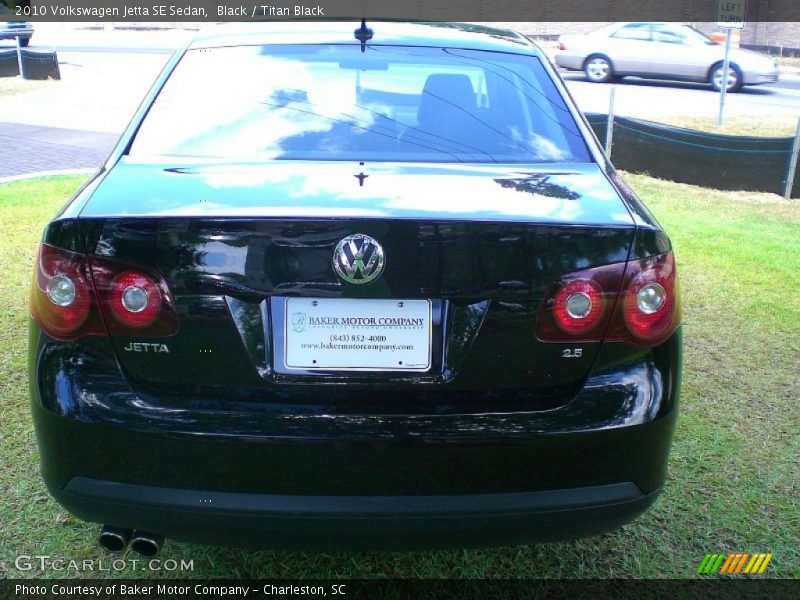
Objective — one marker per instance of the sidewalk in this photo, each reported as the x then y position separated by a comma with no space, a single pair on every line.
97,92
29,148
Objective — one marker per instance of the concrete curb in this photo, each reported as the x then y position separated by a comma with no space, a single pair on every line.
37,174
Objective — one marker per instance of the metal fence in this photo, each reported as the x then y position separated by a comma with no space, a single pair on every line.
35,64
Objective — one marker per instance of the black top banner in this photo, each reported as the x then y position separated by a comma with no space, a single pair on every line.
418,10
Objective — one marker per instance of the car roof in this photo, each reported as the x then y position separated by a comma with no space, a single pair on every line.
455,35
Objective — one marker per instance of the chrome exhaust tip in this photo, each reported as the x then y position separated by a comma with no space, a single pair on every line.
146,544
114,539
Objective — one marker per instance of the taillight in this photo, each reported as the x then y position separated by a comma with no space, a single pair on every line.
650,306
134,300
578,307
561,46
72,297
584,306
61,294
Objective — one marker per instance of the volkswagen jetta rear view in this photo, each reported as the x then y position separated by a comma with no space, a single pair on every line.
347,286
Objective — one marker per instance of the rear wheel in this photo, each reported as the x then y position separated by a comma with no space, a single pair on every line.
24,41
598,69
734,78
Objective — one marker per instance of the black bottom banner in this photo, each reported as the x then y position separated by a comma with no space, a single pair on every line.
398,588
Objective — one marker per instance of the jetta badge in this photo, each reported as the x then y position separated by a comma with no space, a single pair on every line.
358,259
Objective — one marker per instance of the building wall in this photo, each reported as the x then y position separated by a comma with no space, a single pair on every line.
780,35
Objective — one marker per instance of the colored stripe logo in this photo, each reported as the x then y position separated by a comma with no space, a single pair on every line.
734,563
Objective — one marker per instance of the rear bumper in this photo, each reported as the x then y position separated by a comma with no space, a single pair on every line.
357,522
357,482
760,78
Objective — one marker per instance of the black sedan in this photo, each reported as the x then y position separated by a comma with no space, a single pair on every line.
355,286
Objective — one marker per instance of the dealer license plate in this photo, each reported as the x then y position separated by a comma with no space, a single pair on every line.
357,335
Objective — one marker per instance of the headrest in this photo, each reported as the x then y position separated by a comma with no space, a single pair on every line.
441,92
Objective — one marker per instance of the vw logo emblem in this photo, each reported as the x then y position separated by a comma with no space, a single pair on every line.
358,259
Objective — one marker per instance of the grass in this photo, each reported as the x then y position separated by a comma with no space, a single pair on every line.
733,482
762,125
784,61
788,61
10,86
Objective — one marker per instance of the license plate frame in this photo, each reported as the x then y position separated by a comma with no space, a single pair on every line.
358,335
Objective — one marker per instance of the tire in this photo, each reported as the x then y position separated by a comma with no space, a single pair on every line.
715,78
598,69
24,41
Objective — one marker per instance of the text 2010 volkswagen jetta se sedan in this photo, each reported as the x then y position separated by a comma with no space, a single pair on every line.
341,291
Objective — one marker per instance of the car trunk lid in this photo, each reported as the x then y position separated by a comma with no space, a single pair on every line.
481,243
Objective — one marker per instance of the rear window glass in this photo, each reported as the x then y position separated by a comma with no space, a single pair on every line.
335,102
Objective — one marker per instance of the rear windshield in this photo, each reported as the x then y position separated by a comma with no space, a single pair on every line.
335,102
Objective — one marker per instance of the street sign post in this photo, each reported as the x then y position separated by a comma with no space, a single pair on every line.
730,15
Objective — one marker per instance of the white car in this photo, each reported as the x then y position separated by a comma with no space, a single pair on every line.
10,30
660,51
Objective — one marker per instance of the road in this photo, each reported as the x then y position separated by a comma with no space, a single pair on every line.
657,100
105,74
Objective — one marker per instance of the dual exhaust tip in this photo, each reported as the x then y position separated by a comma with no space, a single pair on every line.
116,539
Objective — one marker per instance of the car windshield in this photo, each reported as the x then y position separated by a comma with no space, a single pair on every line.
339,102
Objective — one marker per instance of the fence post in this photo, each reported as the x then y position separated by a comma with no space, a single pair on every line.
610,123
19,57
787,191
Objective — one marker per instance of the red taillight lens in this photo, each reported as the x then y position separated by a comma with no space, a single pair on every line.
561,46
578,307
650,308
134,300
70,293
583,306
61,294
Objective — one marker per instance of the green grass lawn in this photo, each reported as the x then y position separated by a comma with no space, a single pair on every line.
757,125
10,86
733,483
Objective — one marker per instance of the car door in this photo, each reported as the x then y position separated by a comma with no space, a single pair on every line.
630,49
